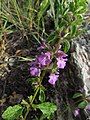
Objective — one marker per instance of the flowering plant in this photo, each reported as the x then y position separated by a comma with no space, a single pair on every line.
53,57
45,61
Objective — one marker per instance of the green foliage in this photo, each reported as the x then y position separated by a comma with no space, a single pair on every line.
54,69
66,46
31,15
52,2
74,28
51,38
12,113
47,108
36,38
76,95
82,104
42,95
43,6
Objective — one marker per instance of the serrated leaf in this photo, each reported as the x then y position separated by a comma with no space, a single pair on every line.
66,46
76,95
74,28
47,108
82,105
12,113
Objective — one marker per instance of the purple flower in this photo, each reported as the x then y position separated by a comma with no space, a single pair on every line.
61,60
53,78
44,42
35,71
62,34
88,107
73,18
61,54
61,63
76,112
35,68
42,46
82,90
44,59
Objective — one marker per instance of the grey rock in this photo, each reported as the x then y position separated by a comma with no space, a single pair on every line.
74,77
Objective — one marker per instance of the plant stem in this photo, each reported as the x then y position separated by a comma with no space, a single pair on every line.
28,109
73,105
34,95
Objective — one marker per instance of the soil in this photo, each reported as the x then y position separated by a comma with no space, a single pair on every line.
13,72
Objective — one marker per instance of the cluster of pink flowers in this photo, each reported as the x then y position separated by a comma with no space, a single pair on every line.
41,61
44,60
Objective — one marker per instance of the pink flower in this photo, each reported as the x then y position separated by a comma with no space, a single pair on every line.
42,46
88,107
61,54
44,42
44,59
53,78
76,112
82,90
61,63
35,71
61,60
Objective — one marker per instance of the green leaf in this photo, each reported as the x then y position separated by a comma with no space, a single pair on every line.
63,23
79,19
36,39
54,69
51,38
42,95
72,6
32,80
66,46
74,28
43,6
47,108
89,92
52,7
26,104
66,11
79,9
12,113
76,95
30,98
82,105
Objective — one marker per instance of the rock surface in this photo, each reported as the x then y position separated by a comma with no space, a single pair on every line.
74,77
